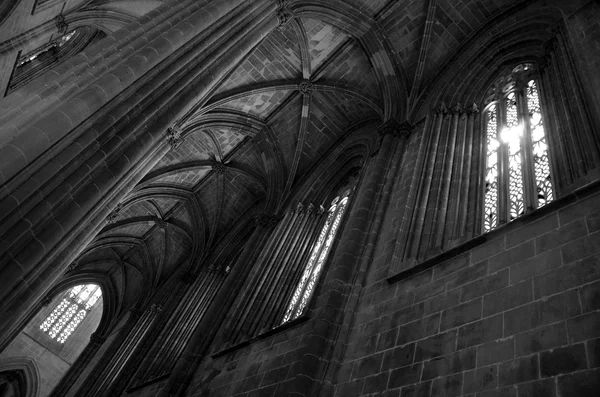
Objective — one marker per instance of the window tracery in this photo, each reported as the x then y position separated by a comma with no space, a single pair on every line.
71,311
317,258
517,173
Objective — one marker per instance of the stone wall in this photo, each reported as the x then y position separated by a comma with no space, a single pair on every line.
517,315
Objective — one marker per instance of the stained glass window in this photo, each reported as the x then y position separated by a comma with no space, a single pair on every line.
69,313
317,258
518,150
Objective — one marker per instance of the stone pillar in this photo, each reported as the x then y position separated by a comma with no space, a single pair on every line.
86,139
211,323
328,314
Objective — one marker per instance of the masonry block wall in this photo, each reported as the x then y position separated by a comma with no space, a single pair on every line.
516,316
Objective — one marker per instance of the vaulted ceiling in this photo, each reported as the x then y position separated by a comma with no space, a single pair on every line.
336,68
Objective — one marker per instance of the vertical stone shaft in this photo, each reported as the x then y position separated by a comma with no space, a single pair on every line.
470,182
36,248
458,180
212,321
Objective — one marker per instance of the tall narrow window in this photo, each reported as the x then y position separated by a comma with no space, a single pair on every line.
69,313
517,176
311,273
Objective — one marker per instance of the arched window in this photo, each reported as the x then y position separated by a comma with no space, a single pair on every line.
517,174
69,313
306,286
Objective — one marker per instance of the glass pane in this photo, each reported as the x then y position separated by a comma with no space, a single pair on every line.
540,148
66,316
512,137
315,274
491,172
309,266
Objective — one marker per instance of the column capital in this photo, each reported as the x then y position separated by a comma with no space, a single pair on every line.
114,214
284,15
457,109
472,109
440,109
299,208
61,25
97,338
266,221
174,137
392,127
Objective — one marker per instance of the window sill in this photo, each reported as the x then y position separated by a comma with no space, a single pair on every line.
283,327
549,208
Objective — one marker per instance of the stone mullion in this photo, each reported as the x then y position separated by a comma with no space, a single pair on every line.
588,140
275,298
297,268
472,191
186,322
565,115
69,379
111,358
459,179
503,167
447,182
426,176
268,277
433,206
272,277
161,335
204,333
120,375
527,163
559,157
402,246
248,38
341,275
243,322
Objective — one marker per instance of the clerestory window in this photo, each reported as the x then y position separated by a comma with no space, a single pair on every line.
317,258
69,313
517,174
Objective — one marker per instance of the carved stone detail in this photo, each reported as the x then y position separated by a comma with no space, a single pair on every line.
155,308
97,339
310,209
457,109
72,266
220,168
61,25
284,15
306,87
112,217
392,127
266,221
174,137
299,209
46,300
473,109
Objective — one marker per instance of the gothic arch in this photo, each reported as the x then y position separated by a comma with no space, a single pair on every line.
28,371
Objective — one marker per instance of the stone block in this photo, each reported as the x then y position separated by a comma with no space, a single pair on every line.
568,276
376,383
418,329
485,285
538,388
579,384
417,390
521,370
405,376
511,256
590,297
435,346
584,327
508,298
495,351
461,314
367,366
398,357
560,236
544,338
467,275
563,360
447,386
441,366
480,332
480,379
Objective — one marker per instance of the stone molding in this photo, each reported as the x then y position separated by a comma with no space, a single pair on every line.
174,137
284,15
114,214
219,167
61,25
392,127
306,87
97,338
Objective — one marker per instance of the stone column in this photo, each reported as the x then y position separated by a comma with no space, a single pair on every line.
85,140
328,313
210,324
